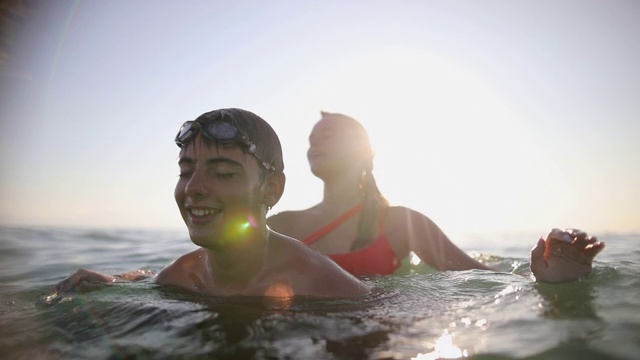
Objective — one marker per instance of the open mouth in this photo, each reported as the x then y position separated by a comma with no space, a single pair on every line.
204,212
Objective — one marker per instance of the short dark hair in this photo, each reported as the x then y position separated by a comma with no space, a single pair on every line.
268,147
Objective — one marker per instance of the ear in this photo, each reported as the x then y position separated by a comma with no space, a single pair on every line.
274,187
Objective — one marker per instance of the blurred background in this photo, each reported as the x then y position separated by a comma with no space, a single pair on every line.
487,116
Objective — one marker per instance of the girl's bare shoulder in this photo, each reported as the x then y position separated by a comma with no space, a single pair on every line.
396,214
292,222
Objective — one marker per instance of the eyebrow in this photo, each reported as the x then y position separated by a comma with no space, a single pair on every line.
214,161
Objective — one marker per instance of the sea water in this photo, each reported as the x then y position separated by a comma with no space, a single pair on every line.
417,313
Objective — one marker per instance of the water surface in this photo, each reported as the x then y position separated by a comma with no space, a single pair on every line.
416,313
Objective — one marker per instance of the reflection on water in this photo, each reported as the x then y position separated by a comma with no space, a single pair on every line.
442,349
415,314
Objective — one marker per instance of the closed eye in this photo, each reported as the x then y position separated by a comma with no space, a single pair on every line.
225,175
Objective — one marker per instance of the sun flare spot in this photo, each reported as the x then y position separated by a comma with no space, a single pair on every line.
280,294
238,228
443,349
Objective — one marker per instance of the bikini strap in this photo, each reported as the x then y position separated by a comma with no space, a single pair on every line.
334,224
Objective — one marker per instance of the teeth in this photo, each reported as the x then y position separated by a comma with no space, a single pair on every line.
203,212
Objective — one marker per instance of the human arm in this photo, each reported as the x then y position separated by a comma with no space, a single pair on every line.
421,235
82,279
564,256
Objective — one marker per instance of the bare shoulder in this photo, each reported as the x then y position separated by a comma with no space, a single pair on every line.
279,220
311,273
291,251
403,215
293,214
403,212
177,271
295,223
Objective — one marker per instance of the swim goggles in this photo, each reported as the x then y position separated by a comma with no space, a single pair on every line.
220,131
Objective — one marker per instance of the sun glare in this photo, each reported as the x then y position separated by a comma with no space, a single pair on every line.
443,349
441,134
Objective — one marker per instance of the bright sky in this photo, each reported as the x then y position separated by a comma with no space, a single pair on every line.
485,115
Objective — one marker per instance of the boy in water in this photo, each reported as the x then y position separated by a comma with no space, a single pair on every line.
231,173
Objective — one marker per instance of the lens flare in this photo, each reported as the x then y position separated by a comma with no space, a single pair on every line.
239,228
279,290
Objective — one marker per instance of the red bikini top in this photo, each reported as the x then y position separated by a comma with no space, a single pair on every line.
376,259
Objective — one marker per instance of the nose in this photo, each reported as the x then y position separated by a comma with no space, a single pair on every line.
314,139
315,144
198,184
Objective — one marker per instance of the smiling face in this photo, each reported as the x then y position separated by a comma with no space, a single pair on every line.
220,193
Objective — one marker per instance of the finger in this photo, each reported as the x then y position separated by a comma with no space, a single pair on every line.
581,235
594,249
592,239
576,233
584,242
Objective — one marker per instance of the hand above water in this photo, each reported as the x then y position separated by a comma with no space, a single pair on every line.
564,256
83,280
82,277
